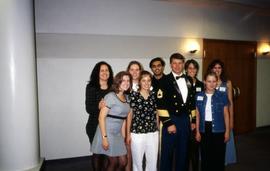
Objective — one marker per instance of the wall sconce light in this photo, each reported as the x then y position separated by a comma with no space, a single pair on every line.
265,48
193,51
265,53
193,46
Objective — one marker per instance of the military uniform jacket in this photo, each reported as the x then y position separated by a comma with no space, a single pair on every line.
156,82
170,101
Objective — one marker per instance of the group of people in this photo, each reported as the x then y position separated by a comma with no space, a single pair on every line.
157,121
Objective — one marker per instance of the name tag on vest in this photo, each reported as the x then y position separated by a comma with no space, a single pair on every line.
200,98
223,89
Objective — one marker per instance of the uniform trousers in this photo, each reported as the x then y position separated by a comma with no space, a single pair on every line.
212,149
145,143
174,147
194,151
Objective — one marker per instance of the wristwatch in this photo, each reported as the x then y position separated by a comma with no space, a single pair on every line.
104,136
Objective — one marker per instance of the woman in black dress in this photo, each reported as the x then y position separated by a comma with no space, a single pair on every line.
100,83
192,68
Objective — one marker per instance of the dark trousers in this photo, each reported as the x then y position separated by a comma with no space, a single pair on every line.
194,151
174,147
212,149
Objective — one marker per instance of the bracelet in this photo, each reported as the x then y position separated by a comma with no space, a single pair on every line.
104,136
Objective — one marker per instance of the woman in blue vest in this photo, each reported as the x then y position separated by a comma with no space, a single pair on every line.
212,124
224,85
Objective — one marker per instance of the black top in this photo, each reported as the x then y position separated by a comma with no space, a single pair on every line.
92,99
156,82
144,118
196,88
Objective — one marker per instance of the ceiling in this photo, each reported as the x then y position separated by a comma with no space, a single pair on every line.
259,4
261,7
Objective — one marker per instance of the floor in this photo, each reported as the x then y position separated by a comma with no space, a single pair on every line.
253,150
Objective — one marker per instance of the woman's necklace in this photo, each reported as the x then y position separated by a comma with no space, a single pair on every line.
103,85
121,97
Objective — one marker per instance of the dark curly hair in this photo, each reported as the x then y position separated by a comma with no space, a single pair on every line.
94,77
157,59
223,76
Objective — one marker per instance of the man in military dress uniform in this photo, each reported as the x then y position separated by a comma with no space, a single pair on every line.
174,101
157,66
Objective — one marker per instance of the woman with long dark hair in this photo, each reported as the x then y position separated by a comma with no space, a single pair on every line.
192,68
224,85
99,85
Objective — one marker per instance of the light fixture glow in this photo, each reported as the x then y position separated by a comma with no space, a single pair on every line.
265,49
193,46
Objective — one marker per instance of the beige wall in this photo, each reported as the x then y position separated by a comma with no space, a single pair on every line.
64,65
73,35
263,92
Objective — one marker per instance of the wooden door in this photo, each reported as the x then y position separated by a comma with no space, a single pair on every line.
240,64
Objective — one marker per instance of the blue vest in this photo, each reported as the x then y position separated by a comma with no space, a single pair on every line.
219,101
